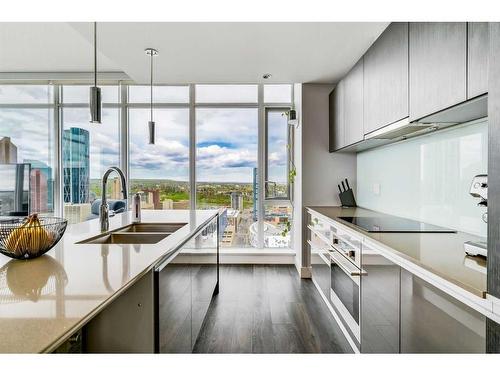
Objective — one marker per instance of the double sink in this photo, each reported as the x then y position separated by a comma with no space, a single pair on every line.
138,233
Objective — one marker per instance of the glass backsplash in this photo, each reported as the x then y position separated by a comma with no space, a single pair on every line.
428,178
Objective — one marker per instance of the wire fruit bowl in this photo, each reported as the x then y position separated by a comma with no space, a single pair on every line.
30,237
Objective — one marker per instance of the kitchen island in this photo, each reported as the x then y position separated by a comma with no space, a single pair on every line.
44,301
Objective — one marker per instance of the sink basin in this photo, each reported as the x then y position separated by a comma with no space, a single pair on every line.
139,233
126,238
151,228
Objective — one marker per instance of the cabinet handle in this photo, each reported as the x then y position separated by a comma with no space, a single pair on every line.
348,269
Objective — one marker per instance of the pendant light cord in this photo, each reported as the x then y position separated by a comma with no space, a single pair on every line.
151,88
95,54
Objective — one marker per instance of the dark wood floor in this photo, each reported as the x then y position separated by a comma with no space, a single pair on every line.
268,309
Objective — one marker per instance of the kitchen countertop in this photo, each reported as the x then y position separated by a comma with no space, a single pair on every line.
44,300
440,253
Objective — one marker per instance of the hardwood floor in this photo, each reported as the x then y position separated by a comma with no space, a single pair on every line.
268,309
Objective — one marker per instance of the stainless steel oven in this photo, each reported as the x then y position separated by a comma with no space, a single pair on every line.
345,289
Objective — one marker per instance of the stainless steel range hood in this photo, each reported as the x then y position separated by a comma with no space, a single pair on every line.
470,110
461,113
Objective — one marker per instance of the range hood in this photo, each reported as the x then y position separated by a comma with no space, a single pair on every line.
470,110
464,112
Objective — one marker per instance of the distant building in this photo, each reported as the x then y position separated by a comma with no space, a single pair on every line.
8,151
47,172
76,213
38,181
76,162
116,188
153,199
168,204
237,200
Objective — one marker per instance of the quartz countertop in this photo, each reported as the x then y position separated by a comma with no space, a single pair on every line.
440,253
44,300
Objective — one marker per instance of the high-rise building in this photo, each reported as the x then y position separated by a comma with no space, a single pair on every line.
76,162
38,192
49,180
237,200
116,188
8,151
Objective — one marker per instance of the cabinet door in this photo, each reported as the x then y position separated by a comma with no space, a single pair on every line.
337,134
386,78
438,63
477,58
204,275
175,318
434,322
353,102
379,304
321,270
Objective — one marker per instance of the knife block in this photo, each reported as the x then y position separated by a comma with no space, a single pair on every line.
347,198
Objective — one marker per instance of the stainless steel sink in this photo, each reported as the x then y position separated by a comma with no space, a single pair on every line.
151,228
140,233
126,238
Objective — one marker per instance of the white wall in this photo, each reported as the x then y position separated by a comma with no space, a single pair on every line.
428,178
320,170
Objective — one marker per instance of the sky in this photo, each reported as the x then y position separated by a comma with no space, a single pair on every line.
227,139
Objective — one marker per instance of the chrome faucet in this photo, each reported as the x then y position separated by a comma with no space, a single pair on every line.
104,208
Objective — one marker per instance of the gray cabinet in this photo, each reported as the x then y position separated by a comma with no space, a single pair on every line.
320,265
477,58
186,286
386,78
434,322
336,103
438,66
380,304
353,105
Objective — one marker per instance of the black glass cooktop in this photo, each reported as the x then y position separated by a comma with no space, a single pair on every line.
393,224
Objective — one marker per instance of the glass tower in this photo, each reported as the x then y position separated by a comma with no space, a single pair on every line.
76,145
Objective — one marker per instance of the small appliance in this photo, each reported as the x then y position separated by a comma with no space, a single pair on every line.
479,189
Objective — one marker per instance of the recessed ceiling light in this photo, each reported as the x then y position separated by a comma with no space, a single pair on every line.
267,76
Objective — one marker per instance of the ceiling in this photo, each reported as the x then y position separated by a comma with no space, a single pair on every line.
191,52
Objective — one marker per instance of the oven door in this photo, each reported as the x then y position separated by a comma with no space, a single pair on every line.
345,292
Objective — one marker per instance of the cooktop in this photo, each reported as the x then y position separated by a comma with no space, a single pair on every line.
394,224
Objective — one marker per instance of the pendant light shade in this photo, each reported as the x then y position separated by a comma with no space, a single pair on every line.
95,92
151,52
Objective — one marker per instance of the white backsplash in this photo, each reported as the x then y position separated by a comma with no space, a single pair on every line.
428,178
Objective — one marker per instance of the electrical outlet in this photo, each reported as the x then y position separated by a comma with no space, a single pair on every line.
376,189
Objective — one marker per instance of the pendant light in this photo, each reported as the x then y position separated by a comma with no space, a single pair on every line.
95,92
151,124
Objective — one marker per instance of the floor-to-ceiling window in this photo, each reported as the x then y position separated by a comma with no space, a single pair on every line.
88,150
217,143
27,136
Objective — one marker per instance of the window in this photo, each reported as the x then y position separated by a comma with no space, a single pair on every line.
226,168
277,93
277,154
160,172
226,93
27,136
161,94
87,151
277,225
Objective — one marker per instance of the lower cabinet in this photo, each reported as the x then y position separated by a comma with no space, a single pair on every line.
379,305
321,270
434,322
186,287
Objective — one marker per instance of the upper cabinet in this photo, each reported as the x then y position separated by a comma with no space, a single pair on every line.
386,78
353,103
477,58
337,130
438,66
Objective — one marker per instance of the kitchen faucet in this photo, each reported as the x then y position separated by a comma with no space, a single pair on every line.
104,208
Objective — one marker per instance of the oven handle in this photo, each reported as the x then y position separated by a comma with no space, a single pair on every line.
350,270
